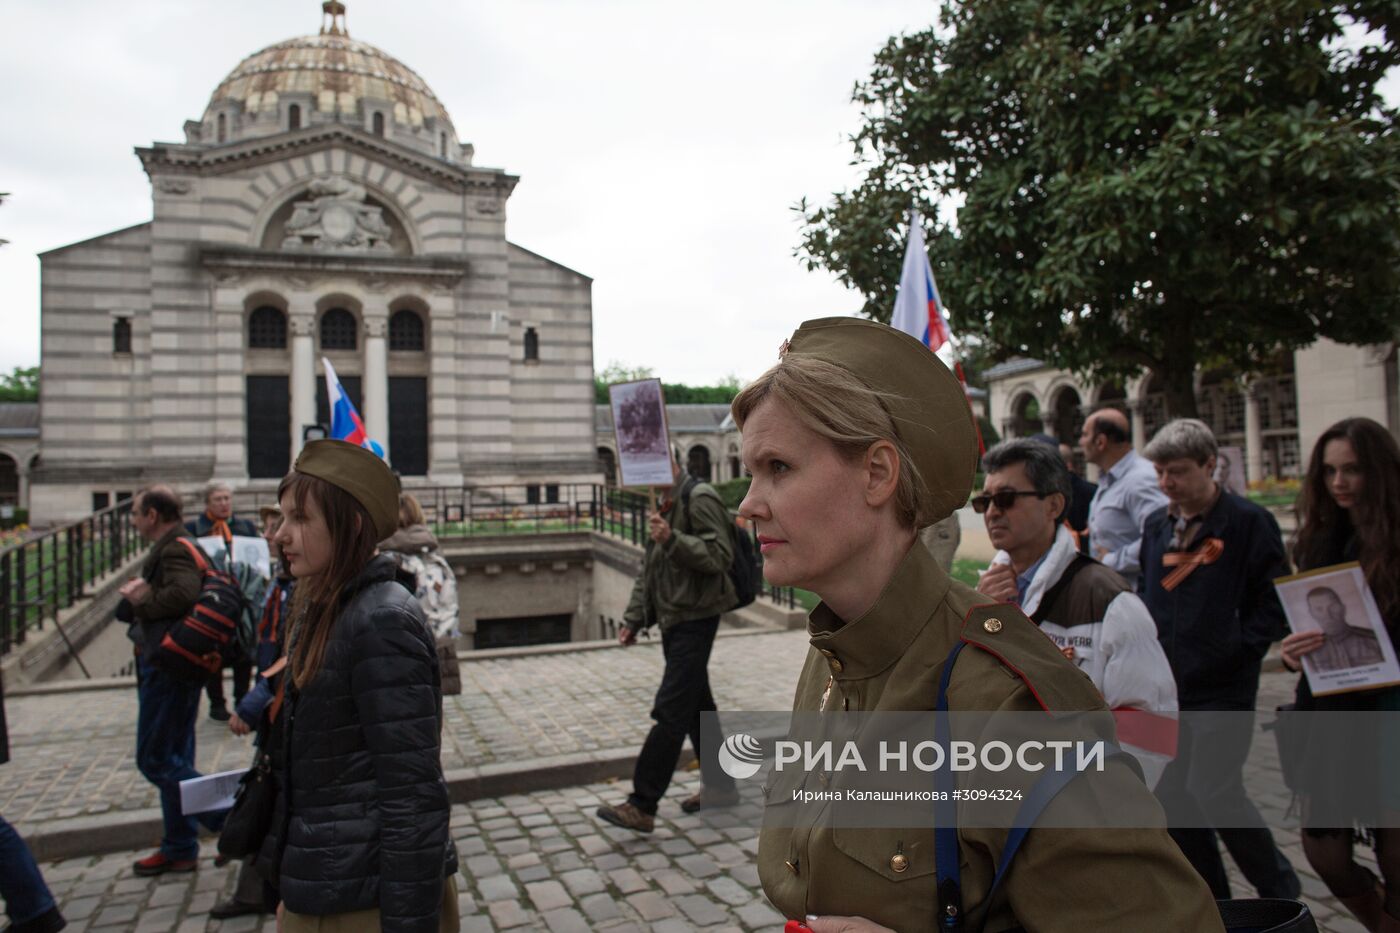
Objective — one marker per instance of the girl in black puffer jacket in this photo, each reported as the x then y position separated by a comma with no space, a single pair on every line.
362,830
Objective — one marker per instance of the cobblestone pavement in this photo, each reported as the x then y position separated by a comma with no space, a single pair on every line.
73,754
532,862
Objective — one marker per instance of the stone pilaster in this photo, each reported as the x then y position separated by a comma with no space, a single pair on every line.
303,389
376,384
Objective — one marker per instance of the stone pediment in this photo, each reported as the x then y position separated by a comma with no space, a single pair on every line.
179,158
334,216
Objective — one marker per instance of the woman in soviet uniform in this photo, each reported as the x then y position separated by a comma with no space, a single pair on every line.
856,439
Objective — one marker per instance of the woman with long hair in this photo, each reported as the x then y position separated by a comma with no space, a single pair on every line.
364,830
856,439
1349,510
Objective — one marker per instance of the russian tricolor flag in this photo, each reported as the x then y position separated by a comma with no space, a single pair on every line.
918,311
345,420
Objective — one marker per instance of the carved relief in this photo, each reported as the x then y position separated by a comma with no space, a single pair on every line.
488,207
334,216
175,185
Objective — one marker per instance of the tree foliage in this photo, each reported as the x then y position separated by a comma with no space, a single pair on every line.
22,385
1142,185
676,393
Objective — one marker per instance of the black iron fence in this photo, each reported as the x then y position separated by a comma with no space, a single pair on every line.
50,572
47,573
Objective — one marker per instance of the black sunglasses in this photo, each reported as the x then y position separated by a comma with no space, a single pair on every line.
1002,499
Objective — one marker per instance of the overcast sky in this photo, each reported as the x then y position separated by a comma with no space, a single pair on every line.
660,147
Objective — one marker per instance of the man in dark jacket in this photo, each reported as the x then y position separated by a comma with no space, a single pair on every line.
218,519
166,590
684,587
1208,564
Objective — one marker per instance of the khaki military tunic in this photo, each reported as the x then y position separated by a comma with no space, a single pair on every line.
1076,880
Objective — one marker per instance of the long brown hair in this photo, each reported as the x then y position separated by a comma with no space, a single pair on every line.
316,600
1375,516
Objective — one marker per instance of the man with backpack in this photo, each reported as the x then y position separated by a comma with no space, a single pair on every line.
684,586
153,603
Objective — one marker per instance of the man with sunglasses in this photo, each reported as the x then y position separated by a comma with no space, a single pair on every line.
1087,609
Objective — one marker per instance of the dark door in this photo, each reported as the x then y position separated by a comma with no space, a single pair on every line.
408,424
521,631
268,406
351,384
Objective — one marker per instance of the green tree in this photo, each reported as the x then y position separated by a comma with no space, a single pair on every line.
676,393
22,385
1142,185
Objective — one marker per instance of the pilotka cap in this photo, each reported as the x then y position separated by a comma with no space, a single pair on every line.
359,472
925,400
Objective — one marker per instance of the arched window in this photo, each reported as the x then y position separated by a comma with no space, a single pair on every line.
338,330
532,345
121,335
294,117
378,124
223,128
406,331
267,329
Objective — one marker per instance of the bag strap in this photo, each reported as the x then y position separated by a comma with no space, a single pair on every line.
686,487
196,552
945,813
1042,611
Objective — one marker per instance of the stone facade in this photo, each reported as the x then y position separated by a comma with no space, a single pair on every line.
1275,419
705,439
352,227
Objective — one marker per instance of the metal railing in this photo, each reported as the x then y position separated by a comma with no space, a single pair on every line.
50,572
47,573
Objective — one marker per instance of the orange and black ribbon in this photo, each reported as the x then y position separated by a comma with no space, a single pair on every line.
1186,562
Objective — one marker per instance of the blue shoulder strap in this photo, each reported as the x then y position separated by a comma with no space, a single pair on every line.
945,813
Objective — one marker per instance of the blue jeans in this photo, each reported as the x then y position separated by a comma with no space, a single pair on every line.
22,887
165,751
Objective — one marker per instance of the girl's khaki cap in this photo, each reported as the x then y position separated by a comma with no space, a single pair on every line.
360,473
925,400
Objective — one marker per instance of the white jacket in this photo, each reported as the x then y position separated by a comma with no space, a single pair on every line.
1121,655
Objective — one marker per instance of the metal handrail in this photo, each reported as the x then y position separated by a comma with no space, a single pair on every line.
48,573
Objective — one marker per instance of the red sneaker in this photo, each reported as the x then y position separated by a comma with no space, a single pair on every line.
158,864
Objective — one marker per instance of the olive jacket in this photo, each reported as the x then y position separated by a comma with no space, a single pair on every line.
686,578
1067,880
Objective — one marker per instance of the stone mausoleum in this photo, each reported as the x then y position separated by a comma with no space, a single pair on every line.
323,205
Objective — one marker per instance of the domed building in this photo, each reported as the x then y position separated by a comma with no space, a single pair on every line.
323,206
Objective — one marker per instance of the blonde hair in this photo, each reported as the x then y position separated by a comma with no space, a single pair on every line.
410,512
832,403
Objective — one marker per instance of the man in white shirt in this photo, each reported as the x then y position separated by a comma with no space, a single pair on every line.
1127,492
1085,608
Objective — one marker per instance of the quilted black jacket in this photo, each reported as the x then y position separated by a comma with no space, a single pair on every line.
367,824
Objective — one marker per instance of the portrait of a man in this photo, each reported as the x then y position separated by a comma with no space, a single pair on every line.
1346,645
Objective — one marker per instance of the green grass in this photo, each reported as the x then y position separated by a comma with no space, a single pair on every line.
965,571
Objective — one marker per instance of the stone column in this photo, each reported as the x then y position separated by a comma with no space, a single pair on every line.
303,375
1253,436
376,384
22,470
225,375
1135,415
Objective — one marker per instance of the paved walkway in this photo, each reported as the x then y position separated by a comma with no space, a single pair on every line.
534,861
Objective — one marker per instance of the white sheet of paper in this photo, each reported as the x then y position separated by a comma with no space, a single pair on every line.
209,793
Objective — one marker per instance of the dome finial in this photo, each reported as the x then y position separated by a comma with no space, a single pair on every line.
333,18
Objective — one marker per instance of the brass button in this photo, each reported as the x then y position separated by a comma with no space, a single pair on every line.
992,625
836,666
828,653
791,866
899,862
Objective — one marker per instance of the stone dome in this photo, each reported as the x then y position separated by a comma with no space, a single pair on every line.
328,78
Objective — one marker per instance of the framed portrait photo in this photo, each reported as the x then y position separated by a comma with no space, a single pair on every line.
643,437
1356,652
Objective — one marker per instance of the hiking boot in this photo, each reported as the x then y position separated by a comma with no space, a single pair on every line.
218,712
711,798
158,864
628,817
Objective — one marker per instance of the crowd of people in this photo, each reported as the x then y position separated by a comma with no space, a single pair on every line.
1149,594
